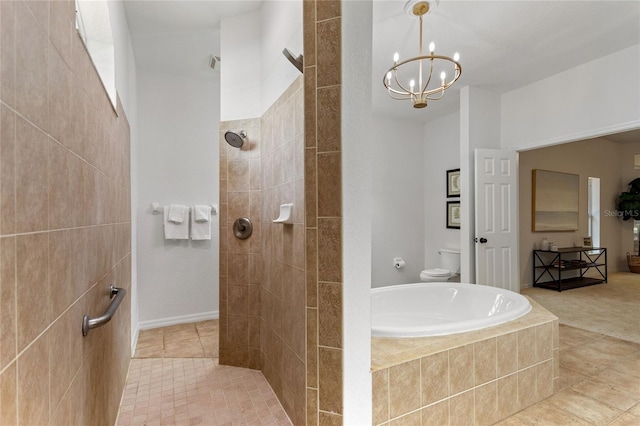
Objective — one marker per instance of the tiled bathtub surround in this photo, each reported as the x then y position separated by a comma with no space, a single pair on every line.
64,224
262,293
479,377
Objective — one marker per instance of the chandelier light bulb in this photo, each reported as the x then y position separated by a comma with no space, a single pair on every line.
443,76
388,78
432,47
396,57
411,84
456,56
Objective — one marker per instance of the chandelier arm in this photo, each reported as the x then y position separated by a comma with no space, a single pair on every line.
404,98
441,89
428,96
395,77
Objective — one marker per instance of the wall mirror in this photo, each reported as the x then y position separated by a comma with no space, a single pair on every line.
555,201
94,26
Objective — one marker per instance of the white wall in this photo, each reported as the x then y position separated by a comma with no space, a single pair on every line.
254,72
594,99
441,153
126,86
177,158
479,128
357,172
240,67
398,214
282,27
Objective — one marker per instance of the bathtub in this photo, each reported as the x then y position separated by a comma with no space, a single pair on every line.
436,309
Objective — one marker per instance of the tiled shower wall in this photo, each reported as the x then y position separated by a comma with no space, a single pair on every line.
240,260
64,224
262,278
323,221
283,291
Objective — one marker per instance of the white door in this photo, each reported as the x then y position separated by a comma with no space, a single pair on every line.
496,224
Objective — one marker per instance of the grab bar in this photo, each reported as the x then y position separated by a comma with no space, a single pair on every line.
89,323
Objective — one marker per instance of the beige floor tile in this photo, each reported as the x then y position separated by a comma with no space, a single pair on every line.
583,361
619,379
572,336
180,336
613,396
626,419
582,406
613,346
179,327
544,414
570,378
150,338
149,352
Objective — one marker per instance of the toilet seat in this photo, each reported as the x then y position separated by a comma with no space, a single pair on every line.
435,274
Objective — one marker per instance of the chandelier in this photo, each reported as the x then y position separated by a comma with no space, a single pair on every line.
420,69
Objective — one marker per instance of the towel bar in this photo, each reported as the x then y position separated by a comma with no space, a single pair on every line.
89,323
156,208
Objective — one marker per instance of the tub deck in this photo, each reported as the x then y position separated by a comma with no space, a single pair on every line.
389,351
473,378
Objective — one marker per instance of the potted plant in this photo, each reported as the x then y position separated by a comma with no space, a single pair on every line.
629,206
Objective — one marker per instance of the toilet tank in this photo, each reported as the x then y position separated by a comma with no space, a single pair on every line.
450,259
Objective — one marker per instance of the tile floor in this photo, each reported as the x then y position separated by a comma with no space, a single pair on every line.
174,379
599,383
192,340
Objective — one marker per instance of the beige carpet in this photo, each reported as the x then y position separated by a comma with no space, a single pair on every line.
611,308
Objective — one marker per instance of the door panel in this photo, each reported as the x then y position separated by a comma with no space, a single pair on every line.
496,218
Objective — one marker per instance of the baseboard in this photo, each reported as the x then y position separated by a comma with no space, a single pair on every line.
164,322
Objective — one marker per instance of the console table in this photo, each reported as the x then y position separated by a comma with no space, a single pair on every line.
553,264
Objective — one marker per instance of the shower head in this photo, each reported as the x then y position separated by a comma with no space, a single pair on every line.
297,62
234,139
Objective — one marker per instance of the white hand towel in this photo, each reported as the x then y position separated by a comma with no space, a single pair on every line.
202,213
178,213
201,230
175,231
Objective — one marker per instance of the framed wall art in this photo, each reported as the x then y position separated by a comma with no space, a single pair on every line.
453,214
554,201
453,183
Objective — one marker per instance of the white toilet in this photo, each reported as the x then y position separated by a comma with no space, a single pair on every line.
449,267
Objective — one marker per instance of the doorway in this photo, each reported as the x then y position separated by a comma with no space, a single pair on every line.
593,213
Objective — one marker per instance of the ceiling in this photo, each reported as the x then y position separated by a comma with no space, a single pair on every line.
503,44
179,36
632,136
